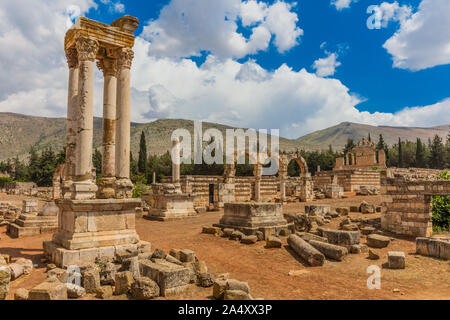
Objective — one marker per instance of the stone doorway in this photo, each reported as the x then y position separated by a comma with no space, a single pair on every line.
211,194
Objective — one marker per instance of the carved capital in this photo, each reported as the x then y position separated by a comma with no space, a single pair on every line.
87,49
125,57
72,57
108,66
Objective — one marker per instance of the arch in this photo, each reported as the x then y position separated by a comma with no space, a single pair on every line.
286,159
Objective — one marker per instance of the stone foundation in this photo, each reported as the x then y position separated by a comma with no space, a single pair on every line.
170,207
30,225
254,216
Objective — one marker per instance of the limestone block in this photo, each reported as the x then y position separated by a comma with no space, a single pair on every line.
318,210
187,255
249,239
170,277
309,236
219,288
396,260
306,251
422,246
61,274
104,292
49,291
330,250
123,281
358,248
74,291
444,250
211,230
373,255
144,288
91,280
233,284
273,242
176,253
377,241
205,280
21,294
236,295
5,278
341,238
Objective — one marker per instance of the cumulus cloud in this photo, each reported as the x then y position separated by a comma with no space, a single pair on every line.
423,39
189,28
387,12
342,4
326,66
247,95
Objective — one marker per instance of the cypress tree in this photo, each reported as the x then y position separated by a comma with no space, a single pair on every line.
400,154
420,154
142,161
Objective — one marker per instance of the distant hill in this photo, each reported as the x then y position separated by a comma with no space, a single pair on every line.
337,135
18,133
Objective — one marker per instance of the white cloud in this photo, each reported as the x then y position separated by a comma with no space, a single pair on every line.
114,6
188,28
247,95
423,39
342,4
387,12
326,66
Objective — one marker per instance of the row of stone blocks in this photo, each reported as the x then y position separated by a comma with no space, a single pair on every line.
433,247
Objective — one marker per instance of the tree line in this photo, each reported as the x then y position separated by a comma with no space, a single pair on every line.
40,166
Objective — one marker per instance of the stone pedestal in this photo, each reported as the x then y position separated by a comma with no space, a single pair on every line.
92,228
171,206
334,191
226,193
254,216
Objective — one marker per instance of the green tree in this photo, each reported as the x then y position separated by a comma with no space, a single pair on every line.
400,154
420,154
97,162
441,208
437,160
142,160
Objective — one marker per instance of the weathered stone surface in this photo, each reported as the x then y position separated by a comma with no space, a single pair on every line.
108,274
366,208
317,210
233,284
159,254
176,253
350,227
249,239
74,291
341,237
309,236
205,280
5,278
284,232
104,292
91,280
260,235
211,230
373,255
144,288
187,255
219,288
124,280
236,235
342,211
367,230
358,248
49,291
377,241
61,274
273,242
236,295
16,270
330,250
396,260
306,251
170,277
21,294
174,260
227,232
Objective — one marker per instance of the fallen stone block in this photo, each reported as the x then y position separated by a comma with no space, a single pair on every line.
21,294
49,291
144,288
306,251
187,255
317,210
205,280
159,254
373,255
366,208
249,239
219,287
211,230
273,242
358,248
284,232
74,291
377,241
309,236
104,292
176,253
342,211
61,274
354,209
444,250
237,235
367,230
396,260
330,250
16,270
171,278
233,284
341,237
124,280
5,278
236,295
91,280
227,232
350,227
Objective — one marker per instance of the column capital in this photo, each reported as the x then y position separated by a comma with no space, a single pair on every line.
72,57
87,49
108,66
125,57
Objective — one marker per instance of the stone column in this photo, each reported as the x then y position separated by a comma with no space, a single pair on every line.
124,186
176,163
257,171
71,123
283,189
107,182
84,187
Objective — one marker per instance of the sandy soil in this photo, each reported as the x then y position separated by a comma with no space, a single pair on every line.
266,270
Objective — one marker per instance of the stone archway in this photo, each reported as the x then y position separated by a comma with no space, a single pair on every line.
305,176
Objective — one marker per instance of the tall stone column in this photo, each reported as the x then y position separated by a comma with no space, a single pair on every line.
283,190
84,187
107,182
124,186
257,172
71,122
176,163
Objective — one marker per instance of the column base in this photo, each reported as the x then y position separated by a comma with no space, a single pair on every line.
107,188
66,189
83,190
124,188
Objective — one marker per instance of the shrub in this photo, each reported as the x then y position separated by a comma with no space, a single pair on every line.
441,208
4,180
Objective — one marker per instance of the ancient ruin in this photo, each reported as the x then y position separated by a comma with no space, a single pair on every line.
96,220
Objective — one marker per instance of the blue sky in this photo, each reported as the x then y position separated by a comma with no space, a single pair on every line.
297,66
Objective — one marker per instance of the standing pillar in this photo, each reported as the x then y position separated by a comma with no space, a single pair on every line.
176,163
283,189
107,182
257,172
154,178
84,186
71,123
124,186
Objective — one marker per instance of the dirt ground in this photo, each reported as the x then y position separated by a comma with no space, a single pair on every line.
266,270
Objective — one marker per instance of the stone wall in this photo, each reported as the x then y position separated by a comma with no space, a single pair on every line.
350,180
21,188
406,201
